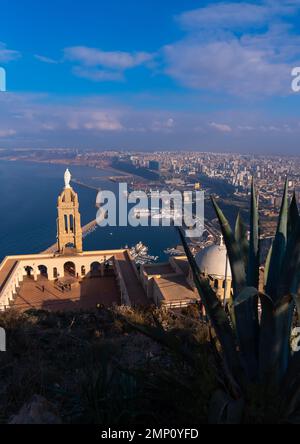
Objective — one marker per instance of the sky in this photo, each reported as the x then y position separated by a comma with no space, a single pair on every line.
150,75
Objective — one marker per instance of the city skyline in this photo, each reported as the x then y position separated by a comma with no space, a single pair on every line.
207,76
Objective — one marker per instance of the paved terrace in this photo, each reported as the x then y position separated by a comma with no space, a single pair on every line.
119,284
85,294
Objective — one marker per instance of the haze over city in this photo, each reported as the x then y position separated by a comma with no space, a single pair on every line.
192,75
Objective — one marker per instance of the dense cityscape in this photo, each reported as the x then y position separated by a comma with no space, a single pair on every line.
269,172
228,175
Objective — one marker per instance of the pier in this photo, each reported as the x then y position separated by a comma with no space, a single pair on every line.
84,185
124,178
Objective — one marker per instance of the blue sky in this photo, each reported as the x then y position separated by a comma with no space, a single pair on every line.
171,74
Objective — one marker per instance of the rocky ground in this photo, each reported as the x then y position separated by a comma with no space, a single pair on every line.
100,368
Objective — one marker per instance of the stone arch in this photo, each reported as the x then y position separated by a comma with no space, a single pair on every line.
28,270
69,268
43,270
70,245
71,223
66,225
95,268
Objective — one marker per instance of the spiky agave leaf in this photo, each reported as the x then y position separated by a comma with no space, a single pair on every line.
281,271
254,246
246,294
234,251
289,279
225,410
254,259
217,317
293,216
274,349
283,316
266,339
289,285
278,250
240,235
267,265
290,392
246,318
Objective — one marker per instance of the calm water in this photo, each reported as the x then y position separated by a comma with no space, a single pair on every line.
28,196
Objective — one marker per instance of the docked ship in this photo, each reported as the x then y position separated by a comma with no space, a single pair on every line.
141,212
139,253
167,214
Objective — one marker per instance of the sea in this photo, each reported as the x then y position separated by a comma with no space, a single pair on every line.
28,202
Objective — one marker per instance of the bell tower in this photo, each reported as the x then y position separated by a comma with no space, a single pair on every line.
69,232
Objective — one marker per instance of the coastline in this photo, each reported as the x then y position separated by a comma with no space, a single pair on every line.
65,162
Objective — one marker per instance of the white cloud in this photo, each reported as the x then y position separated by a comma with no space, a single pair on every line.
110,59
228,67
94,120
236,16
271,128
221,127
33,115
7,132
97,65
213,56
7,55
165,125
100,122
245,128
98,75
48,126
225,15
45,59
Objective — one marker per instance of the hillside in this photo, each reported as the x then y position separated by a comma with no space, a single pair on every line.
96,368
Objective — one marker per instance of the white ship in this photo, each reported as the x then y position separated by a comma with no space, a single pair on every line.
166,214
139,254
141,212
174,251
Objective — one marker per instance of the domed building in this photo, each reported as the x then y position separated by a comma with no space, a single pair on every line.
171,284
213,262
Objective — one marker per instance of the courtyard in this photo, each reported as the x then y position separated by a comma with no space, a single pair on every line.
69,293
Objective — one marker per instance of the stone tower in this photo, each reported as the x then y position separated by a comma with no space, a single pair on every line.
69,232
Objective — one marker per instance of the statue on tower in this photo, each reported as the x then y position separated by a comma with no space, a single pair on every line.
67,178
69,231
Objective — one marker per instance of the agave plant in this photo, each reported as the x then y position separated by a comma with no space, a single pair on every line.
255,344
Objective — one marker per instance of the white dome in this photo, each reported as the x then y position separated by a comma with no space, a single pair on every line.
212,261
